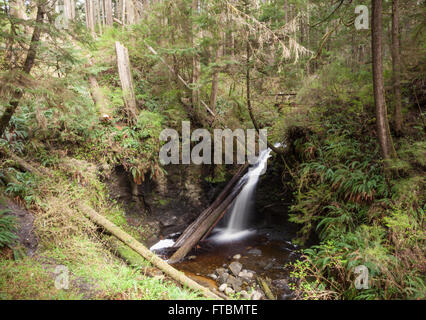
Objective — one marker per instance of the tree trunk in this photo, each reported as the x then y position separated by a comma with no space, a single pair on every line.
210,220
90,16
28,64
108,12
396,66
145,252
126,80
196,66
382,124
215,79
222,196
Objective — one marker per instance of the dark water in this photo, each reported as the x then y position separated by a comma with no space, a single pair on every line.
264,251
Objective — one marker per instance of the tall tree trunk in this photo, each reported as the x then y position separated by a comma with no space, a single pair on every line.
396,65
126,80
108,12
26,69
90,16
215,78
196,65
382,124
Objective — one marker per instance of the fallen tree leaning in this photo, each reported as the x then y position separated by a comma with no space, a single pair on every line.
145,252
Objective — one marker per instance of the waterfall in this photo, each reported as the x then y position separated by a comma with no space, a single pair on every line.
237,224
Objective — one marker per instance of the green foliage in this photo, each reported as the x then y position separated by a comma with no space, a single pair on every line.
8,227
22,187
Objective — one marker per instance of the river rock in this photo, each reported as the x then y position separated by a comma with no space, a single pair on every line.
255,252
256,295
223,277
223,287
192,257
237,257
219,271
229,291
244,294
235,267
234,282
246,275
213,276
282,284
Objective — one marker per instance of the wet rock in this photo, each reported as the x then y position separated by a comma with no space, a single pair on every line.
223,287
246,275
223,277
235,283
168,219
256,295
213,276
235,267
192,257
237,257
244,294
282,285
219,271
229,291
287,297
255,252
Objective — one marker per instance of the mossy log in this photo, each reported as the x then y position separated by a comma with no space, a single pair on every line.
145,252
265,288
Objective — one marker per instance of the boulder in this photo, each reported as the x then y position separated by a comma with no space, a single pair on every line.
213,276
256,295
235,283
246,275
223,287
235,267
237,257
229,291
223,277
244,294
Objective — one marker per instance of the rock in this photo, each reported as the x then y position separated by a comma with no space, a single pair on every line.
237,257
282,285
246,275
256,295
219,271
192,257
229,291
213,276
244,294
168,219
235,267
287,297
235,283
223,287
223,277
255,252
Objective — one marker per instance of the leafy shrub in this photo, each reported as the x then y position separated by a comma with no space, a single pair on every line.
8,227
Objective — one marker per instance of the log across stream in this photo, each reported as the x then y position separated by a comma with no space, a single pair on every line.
228,250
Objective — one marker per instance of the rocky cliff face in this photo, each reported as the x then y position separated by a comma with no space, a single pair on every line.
166,205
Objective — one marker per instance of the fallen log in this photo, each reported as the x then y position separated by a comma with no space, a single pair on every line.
265,288
205,226
202,217
145,252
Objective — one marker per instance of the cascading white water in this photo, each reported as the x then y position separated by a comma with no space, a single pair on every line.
236,226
